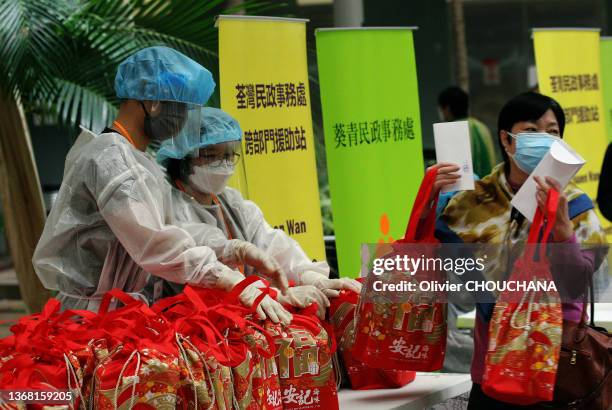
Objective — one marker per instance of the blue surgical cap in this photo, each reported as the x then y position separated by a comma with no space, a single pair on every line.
217,127
163,74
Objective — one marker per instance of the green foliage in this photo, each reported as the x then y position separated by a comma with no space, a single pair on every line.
60,56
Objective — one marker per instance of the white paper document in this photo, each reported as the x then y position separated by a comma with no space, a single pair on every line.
452,140
562,162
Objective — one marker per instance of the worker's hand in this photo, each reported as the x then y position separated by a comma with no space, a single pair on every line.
251,255
267,308
330,287
304,296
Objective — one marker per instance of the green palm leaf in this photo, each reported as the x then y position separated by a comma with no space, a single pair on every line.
61,55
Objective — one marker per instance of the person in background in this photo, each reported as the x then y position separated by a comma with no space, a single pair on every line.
199,170
453,104
112,223
604,191
528,124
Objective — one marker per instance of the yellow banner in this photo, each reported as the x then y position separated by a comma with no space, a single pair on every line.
568,65
264,85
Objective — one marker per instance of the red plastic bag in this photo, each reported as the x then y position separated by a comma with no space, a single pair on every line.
361,376
304,353
409,335
525,337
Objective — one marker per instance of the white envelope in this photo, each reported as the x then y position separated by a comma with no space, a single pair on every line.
452,140
561,162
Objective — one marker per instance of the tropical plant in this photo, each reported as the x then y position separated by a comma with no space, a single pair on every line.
60,57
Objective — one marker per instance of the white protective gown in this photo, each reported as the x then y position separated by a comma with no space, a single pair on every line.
113,224
247,223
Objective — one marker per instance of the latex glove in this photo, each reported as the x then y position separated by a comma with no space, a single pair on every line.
251,255
330,287
303,296
267,308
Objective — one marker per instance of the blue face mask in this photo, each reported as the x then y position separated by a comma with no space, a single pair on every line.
531,148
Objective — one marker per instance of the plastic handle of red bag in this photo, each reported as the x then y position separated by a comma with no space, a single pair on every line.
116,294
161,305
195,299
83,314
51,308
420,204
543,220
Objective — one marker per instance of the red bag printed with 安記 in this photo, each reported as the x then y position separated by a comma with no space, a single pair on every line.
304,351
525,336
410,335
361,376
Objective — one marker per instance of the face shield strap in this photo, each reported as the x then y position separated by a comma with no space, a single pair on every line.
146,113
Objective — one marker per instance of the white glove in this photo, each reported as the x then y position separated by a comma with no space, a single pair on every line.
303,296
330,287
267,308
251,255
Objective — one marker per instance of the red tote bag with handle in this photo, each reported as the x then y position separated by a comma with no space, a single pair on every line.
525,335
361,376
410,335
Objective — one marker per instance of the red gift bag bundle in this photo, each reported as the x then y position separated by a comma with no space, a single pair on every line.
198,350
141,371
205,375
304,353
409,335
256,380
49,351
361,376
525,336
251,349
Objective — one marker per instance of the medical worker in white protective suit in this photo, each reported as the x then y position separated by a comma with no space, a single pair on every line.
200,170
112,223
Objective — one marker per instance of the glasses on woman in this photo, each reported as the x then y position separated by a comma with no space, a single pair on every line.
217,160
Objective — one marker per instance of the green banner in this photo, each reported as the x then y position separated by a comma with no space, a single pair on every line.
606,81
372,127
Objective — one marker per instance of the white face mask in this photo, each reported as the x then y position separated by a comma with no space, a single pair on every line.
211,180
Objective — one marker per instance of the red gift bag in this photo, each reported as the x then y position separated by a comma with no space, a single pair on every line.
409,335
49,351
361,376
304,353
205,380
525,336
255,377
141,371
